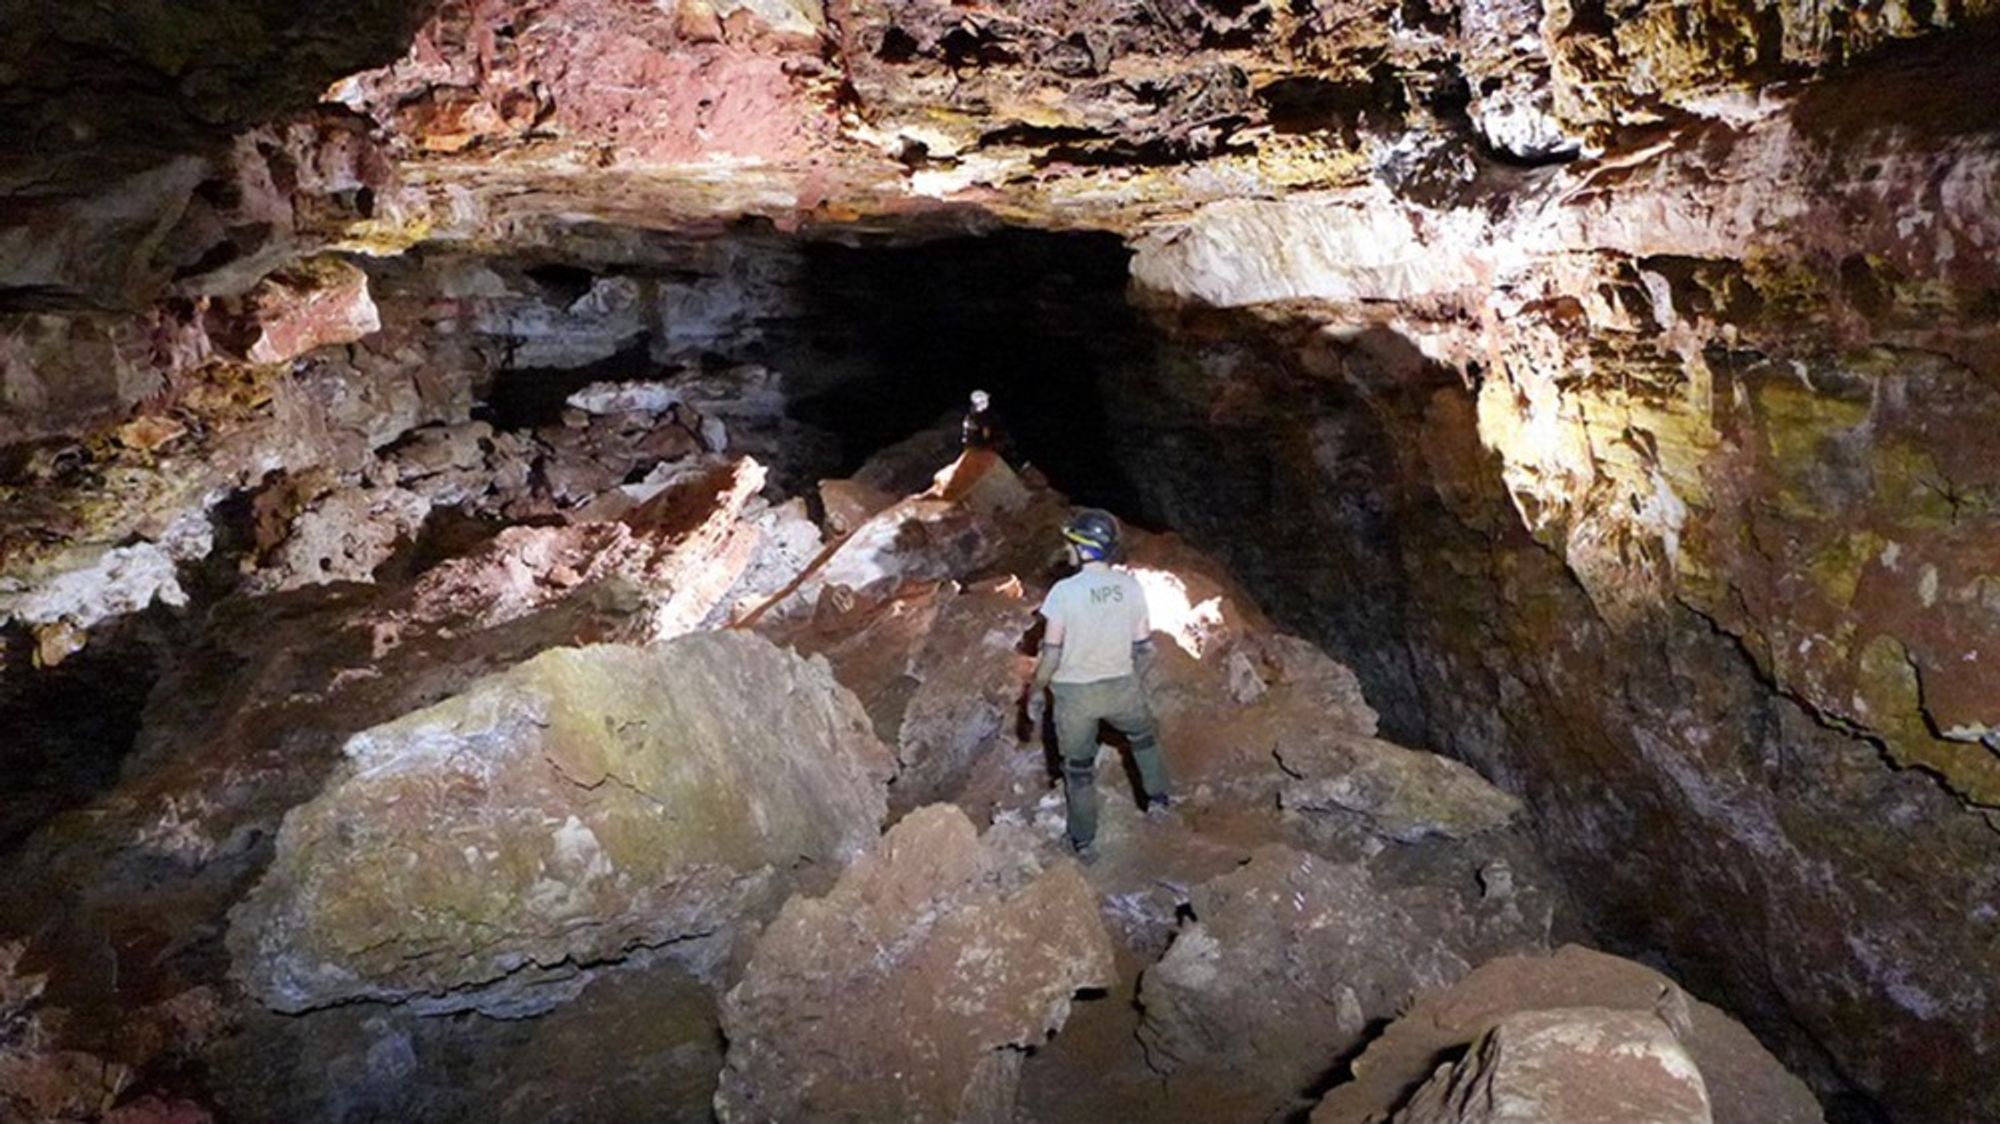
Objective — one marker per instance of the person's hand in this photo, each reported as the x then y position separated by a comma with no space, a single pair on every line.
1037,705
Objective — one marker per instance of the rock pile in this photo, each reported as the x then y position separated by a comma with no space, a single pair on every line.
516,826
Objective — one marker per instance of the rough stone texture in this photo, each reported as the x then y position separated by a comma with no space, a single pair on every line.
483,852
1658,491
911,990
917,539
303,307
41,1080
1652,485
1744,1083
242,719
342,535
1291,958
1578,1065
850,503
109,582
1403,794
640,1042
936,665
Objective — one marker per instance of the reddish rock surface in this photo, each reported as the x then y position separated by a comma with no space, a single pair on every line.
912,990
1740,1080
1288,960
1610,388
1567,1066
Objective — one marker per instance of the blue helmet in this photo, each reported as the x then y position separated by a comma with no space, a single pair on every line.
1094,533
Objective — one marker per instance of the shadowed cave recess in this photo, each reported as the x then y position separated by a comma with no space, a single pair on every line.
496,622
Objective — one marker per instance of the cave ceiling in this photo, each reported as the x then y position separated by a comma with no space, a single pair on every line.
171,149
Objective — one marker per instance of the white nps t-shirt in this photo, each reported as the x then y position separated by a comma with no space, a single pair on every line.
1102,611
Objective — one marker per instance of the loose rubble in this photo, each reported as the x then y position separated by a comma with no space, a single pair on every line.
482,819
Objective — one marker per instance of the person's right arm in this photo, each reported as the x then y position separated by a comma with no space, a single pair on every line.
1051,654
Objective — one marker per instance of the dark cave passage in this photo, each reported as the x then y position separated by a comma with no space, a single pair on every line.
1039,320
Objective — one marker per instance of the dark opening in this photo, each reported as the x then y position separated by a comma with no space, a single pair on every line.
70,727
1035,319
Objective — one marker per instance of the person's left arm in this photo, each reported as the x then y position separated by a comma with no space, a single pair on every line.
1144,654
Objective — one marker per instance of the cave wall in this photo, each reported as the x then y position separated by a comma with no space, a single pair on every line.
1658,494
1776,863
1609,383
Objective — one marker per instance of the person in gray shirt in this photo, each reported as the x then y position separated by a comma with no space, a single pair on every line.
1096,652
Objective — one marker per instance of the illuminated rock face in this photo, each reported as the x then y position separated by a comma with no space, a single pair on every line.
936,666
1697,801
484,853
1699,1050
1655,500
1568,1067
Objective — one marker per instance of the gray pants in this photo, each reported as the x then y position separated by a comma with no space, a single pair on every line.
1079,707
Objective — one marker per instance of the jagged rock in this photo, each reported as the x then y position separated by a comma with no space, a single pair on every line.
850,503
661,88
41,1080
1507,66
625,398
467,465
937,666
587,460
1743,1083
1402,794
916,539
342,535
1578,1065
485,852
307,305
910,991
94,584
908,466
1289,960
787,542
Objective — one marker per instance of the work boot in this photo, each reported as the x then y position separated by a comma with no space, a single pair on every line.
1159,809
1086,853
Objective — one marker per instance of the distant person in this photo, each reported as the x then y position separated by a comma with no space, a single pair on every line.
982,429
1096,652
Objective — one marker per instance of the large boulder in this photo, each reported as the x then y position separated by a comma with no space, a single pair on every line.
1401,794
1743,1083
911,991
1291,958
1586,1065
485,852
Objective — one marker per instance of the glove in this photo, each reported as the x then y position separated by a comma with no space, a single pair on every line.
1037,706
